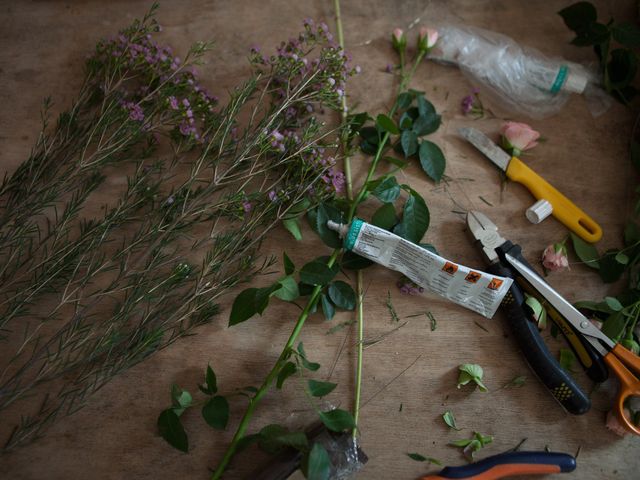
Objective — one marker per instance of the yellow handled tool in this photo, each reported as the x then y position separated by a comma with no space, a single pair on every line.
563,209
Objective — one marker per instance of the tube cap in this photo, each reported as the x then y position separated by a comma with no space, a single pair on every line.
539,211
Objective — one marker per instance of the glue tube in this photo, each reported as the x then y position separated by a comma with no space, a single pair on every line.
473,289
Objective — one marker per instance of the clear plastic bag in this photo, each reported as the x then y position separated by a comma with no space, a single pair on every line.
520,80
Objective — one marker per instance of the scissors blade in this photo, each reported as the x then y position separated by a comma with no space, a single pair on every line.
568,311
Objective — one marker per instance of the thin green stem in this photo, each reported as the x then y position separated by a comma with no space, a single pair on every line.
359,275
268,381
360,320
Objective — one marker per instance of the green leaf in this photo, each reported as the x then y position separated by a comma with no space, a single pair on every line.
585,251
293,227
470,372
432,160
249,302
425,107
243,307
320,389
610,269
246,441
401,164
370,135
622,258
181,399
417,457
317,465
318,220
288,290
421,458
450,420
409,142
316,273
627,34
353,261
274,438
337,420
216,412
404,101
567,359
595,34
286,371
595,306
408,117
342,295
461,443
387,124
289,267
613,303
305,362
579,16
415,219
298,209
385,217
327,307
172,430
405,123
387,191
516,382
622,67
615,324
210,386
426,124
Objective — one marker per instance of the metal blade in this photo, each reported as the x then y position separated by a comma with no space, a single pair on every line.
486,146
485,231
564,308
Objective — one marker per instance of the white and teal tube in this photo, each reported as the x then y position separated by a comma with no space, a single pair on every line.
476,290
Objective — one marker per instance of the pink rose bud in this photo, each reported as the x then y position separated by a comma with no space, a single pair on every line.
555,258
615,425
427,38
518,137
398,40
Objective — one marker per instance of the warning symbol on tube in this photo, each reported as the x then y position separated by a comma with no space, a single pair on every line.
495,284
450,268
473,277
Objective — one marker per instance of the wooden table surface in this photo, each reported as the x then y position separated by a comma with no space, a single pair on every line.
43,46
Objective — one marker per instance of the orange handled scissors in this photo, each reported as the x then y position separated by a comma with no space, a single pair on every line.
621,361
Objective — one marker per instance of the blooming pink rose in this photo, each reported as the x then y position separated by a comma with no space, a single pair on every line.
427,38
615,425
518,137
555,258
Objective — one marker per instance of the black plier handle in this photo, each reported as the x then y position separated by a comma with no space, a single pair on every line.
561,385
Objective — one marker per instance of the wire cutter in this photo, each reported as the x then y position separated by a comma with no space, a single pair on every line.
594,350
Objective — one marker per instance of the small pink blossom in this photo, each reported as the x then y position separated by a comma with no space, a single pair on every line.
247,206
427,38
554,257
615,425
518,137
398,40
408,287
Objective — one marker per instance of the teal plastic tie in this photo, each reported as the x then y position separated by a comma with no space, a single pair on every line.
560,79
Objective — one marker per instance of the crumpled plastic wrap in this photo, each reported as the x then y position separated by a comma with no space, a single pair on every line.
346,457
518,79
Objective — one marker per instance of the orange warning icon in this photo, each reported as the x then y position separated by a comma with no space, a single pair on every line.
450,268
473,277
495,284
